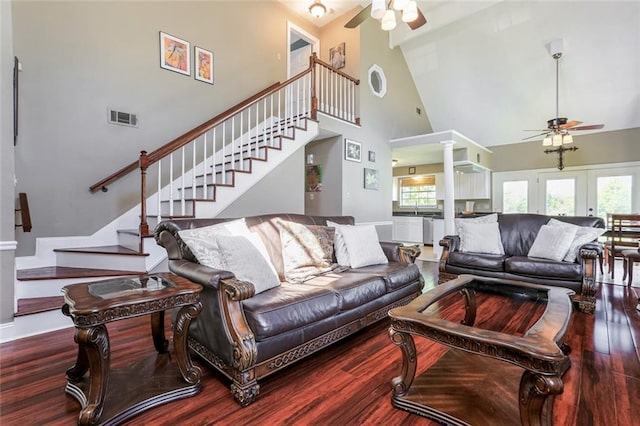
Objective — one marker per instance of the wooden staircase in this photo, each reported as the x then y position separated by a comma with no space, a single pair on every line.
223,167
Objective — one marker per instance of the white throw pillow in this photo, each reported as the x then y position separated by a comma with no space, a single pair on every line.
339,246
481,238
490,218
201,241
584,235
363,245
552,242
240,255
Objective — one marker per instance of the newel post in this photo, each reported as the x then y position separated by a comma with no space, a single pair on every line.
144,164
314,99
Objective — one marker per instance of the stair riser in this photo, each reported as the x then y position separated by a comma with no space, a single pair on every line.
101,261
29,325
130,241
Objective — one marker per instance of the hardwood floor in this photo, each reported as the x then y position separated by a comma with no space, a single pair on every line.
346,384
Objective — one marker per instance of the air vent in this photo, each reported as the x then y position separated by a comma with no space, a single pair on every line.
123,118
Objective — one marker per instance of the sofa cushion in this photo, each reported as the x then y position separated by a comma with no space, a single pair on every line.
395,274
201,241
487,262
307,250
339,246
490,218
234,252
353,289
363,246
552,242
543,268
287,307
480,238
584,235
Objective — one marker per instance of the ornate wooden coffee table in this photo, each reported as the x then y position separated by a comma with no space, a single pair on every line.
471,384
112,396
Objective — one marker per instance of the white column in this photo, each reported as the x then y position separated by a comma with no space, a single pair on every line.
449,205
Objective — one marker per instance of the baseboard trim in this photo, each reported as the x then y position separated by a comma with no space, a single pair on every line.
8,245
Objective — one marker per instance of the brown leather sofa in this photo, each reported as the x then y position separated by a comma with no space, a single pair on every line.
518,232
248,336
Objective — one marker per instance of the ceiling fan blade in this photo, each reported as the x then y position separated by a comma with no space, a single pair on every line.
359,18
589,127
570,124
418,22
535,136
537,130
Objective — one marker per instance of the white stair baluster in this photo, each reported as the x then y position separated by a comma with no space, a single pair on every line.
193,170
182,185
159,211
204,167
171,184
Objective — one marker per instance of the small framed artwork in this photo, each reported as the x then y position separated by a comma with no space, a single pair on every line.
372,156
203,64
175,54
412,170
352,150
337,56
371,179
314,178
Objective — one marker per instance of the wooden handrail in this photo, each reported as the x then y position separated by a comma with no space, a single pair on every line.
182,140
340,73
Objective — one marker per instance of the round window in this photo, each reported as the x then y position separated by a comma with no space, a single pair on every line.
377,81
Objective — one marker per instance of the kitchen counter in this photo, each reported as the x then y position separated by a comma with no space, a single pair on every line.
438,215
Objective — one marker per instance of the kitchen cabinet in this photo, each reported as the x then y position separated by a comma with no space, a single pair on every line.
407,229
437,232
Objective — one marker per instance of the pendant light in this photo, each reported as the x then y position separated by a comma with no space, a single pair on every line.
389,20
378,8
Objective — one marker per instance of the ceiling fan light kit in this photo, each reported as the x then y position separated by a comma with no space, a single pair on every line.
384,11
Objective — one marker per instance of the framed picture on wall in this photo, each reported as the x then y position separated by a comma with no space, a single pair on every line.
352,150
372,156
203,64
337,56
371,179
175,54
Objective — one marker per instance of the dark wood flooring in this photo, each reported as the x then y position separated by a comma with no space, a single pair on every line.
346,384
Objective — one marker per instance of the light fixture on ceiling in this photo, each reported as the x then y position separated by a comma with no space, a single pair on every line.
317,9
394,163
387,17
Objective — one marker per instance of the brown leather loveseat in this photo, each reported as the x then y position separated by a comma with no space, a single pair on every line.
518,233
248,336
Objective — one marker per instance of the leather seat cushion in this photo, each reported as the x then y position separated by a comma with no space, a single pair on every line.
544,268
395,274
287,307
353,289
486,262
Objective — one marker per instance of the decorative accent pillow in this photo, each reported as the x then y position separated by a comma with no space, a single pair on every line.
584,235
342,255
240,255
490,218
307,250
201,241
363,245
552,242
480,238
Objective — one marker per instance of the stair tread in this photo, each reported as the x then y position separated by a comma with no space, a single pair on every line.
102,250
60,272
38,304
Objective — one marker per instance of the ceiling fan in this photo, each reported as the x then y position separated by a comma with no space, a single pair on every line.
557,131
384,10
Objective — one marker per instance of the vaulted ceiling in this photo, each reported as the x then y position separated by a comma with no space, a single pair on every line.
483,68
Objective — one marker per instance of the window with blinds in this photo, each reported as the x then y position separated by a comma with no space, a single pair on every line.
418,191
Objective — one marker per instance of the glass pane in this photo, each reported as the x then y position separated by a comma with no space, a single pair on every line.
514,197
561,197
614,195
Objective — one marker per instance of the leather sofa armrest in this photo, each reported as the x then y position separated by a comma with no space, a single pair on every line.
204,275
397,252
449,243
590,250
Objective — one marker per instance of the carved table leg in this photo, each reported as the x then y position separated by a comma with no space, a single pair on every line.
402,383
157,332
534,390
469,307
190,372
94,342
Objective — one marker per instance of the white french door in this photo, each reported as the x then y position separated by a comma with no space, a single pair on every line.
562,193
613,191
